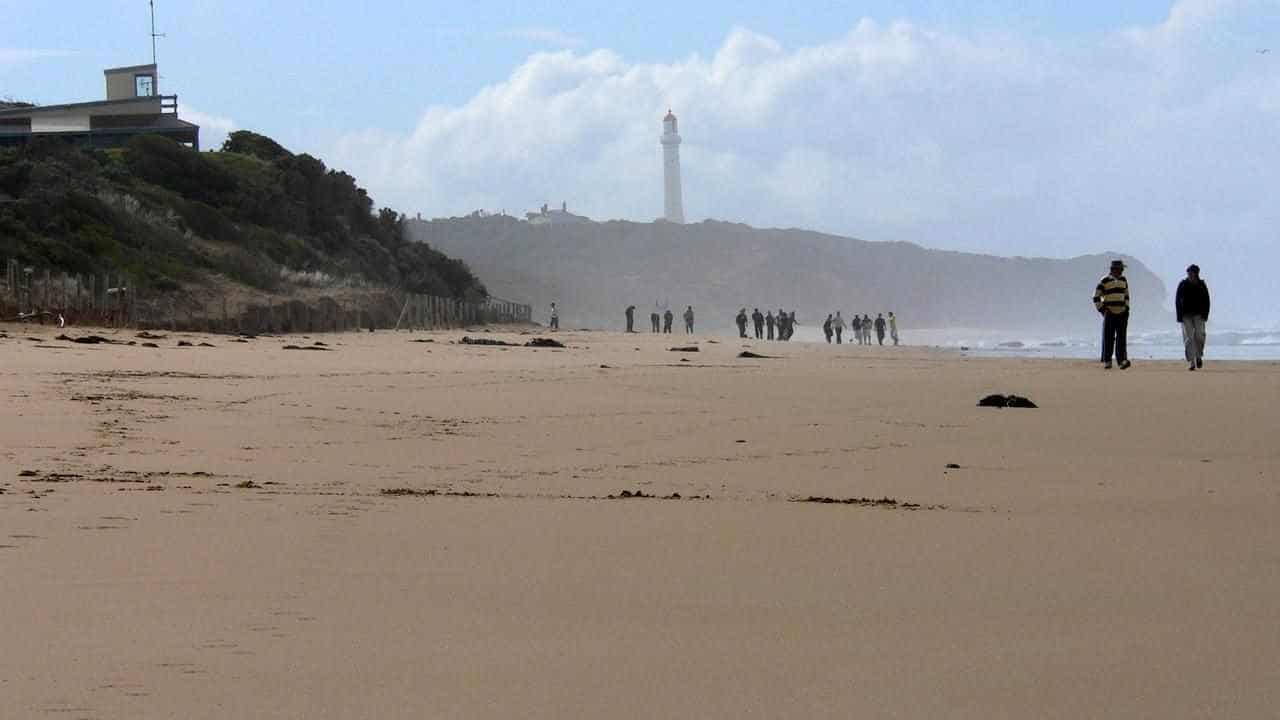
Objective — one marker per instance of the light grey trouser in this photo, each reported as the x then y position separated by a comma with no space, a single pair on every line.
1193,336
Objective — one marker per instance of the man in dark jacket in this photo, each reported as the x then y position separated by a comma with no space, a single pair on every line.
1192,307
741,320
758,319
1111,300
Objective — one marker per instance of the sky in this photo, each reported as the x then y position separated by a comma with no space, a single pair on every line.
1031,128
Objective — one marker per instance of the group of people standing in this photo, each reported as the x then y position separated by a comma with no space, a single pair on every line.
861,328
768,326
1191,308
660,321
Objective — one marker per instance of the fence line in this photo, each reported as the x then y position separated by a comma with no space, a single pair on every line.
113,299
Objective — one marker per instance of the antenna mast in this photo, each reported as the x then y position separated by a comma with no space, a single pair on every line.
154,34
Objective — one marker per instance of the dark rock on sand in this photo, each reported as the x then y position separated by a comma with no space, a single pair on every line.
953,466
686,348
307,347
1002,401
184,343
150,345
750,355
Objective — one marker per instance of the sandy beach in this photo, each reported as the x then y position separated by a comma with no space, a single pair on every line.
206,532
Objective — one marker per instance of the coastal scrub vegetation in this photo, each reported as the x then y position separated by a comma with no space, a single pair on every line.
254,213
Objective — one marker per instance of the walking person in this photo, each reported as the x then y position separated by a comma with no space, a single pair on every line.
893,327
654,320
555,317
758,320
838,325
741,321
631,318
827,326
880,328
668,317
855,328
866,329
1111,299
1192,306
769,323
688,320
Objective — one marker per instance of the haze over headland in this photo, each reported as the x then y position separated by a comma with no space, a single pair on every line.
1061,130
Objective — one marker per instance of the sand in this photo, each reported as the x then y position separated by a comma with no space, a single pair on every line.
1114,553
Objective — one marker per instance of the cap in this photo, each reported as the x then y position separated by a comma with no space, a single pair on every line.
1193,268
1117,263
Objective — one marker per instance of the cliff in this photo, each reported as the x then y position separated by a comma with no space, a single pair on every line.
594,270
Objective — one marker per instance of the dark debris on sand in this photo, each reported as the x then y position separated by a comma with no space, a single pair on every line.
884,502
317,346
685,348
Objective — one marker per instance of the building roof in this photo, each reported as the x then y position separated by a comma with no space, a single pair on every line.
129,68
23,111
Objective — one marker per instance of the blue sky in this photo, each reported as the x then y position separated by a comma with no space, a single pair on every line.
1031,128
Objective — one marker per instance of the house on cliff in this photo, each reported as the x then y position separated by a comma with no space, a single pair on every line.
134,106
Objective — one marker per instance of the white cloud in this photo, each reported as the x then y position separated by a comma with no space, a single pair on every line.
1146,142
213,128
542,36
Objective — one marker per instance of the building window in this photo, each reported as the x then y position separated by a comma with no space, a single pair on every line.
144,85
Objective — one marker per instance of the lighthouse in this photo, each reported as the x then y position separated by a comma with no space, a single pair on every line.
673,205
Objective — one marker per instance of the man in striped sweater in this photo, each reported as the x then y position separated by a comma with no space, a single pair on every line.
1111,298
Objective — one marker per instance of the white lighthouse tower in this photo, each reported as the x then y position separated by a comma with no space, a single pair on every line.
673,206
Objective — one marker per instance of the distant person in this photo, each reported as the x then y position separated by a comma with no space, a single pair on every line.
827,326
667,317
855,328
631,318
893,328
688,320
1192,306
555,317
758,320
1111,299
791,324
866,328
655,321
769,322
741,320
838,325
880,325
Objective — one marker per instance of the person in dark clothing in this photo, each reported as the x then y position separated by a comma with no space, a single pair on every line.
654,320
688,320
769,323
631,318
826,327
791,324
1192,307
837,324
667,318
741,320
758,320
855,327
880,324
1111,300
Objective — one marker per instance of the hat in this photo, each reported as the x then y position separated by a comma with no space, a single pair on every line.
1117,263
1193,268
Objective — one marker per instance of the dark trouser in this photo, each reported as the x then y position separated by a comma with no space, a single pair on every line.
742,329
653,320
1115,331
770,331
880,336
631,324
839,335
759,331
